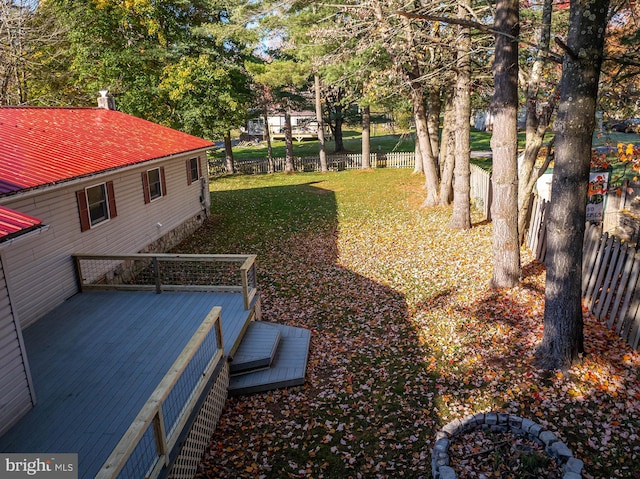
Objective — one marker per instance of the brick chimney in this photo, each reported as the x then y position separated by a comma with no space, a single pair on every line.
106,101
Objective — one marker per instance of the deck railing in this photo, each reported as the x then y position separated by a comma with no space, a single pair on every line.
169,272
144,449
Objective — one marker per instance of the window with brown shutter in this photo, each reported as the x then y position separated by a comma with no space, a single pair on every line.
145,187
111,197
96,204
83,210
163,181
193,170
154,184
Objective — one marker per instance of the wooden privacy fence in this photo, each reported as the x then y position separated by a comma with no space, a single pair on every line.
349,161
610,273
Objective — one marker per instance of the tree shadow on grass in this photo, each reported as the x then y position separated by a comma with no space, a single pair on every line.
371,402
592,394
367,405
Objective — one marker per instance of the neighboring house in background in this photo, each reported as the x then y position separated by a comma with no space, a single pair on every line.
303,126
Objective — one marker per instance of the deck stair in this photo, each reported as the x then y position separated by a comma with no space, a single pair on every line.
270,356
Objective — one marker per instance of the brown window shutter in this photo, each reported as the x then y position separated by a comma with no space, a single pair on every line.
200,167
83,210
189,179
145,187
111,198
163,181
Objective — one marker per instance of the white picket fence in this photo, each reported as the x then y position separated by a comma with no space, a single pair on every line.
481,193
480,179
348,161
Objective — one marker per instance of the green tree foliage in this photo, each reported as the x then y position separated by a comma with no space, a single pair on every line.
30,41
207,98
169,61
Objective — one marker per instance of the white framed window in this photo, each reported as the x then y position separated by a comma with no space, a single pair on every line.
194,172
96,204
154,184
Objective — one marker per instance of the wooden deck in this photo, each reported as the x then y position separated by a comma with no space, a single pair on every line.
96,359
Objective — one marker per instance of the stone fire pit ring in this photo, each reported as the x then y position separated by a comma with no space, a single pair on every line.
501,422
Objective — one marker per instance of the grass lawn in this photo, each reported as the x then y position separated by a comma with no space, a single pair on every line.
480,141
406,335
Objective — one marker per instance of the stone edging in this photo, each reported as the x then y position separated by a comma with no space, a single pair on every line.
440,469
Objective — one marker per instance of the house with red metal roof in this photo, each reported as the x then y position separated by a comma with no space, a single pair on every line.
130,351
90,179
82,180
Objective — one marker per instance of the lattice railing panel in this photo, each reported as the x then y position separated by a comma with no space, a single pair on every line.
186,464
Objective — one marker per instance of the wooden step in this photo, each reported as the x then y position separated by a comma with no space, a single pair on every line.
287,369
257,349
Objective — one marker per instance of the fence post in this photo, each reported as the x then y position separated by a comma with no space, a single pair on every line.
156,274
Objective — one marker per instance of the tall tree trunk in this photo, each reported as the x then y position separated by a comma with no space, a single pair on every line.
461,218
433,121
288,141
267,136
321,144
563,338
432,177
366,137
447,152
537,122
504,143
337,134
417,154
228,153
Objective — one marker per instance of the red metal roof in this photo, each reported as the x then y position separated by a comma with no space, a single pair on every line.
41,146
13,223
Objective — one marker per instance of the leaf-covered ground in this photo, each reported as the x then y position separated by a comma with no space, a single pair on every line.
406,335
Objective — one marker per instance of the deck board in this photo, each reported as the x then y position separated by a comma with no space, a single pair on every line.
258,348
288,367
96,359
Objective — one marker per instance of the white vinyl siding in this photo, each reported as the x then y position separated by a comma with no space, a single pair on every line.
15,393
40,268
